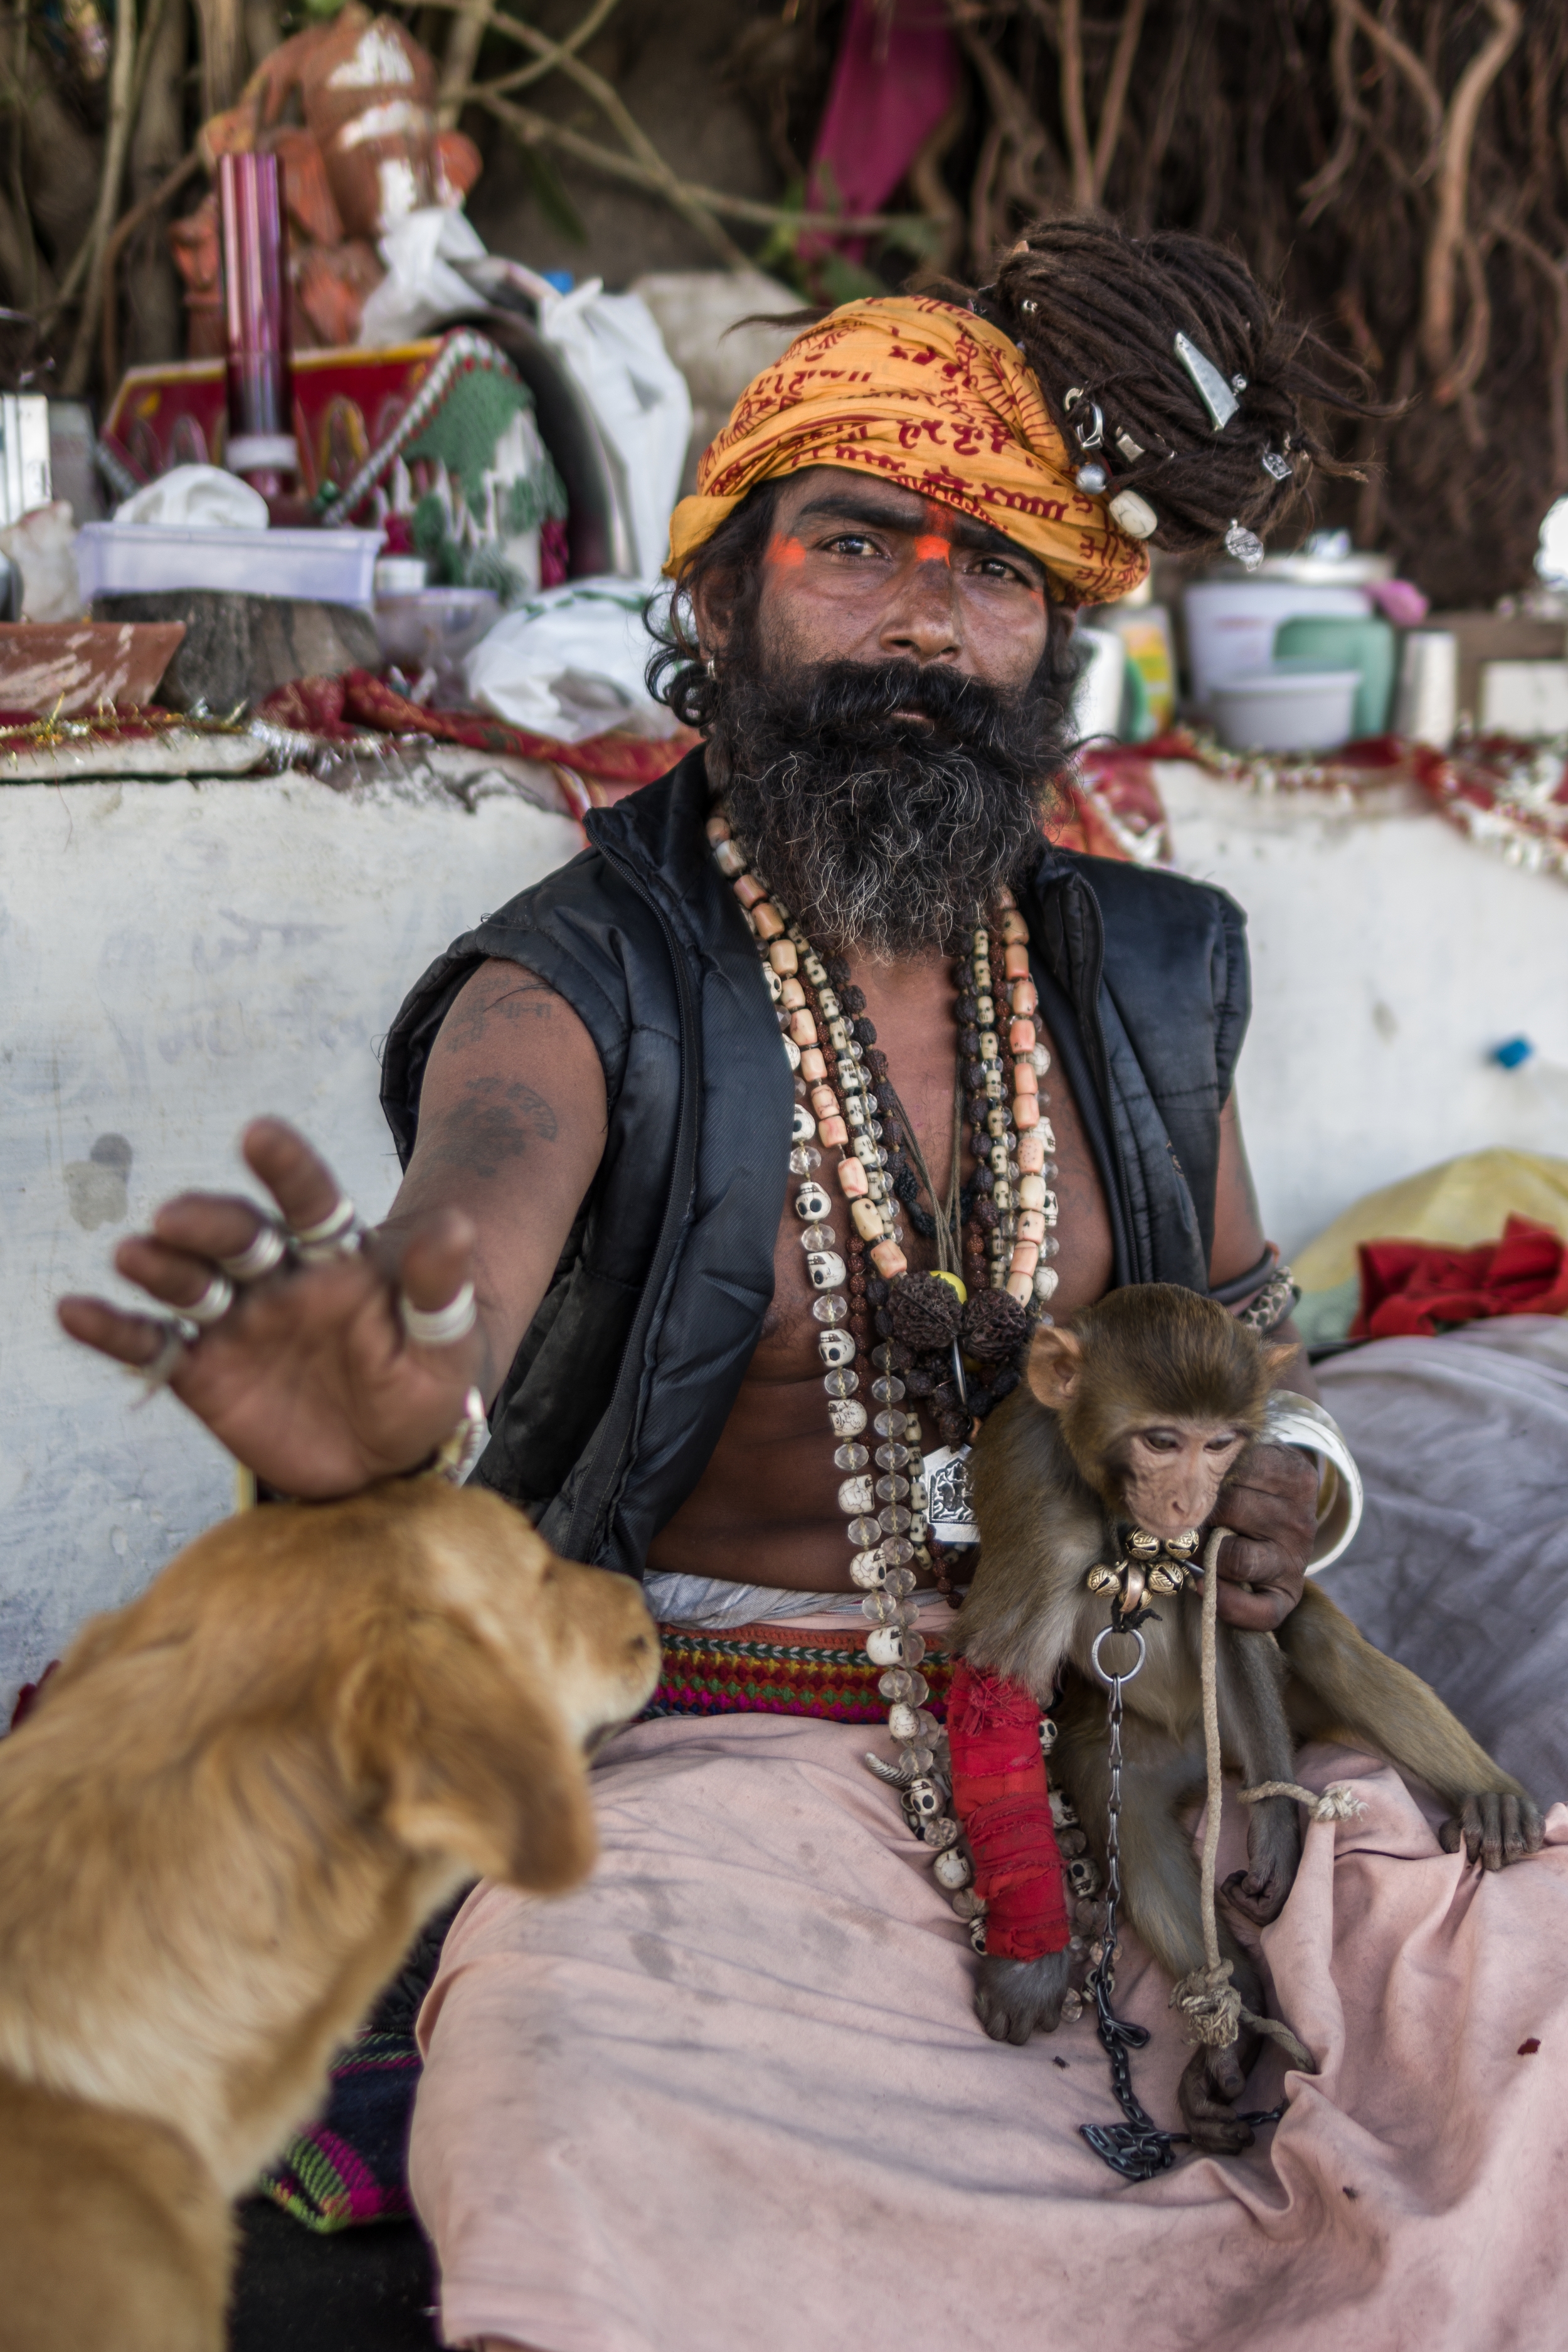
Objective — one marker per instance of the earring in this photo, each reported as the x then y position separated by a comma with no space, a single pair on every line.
711,666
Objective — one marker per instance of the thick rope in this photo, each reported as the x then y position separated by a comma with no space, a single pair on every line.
1339,1802
1213,2012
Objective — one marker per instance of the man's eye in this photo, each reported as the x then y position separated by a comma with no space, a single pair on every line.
851,542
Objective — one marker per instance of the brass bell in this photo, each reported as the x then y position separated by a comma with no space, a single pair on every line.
1139,1541
1169,1576
1102,1579
1188,1543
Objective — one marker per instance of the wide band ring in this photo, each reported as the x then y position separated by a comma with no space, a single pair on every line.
338,1235
213,1304
259,1258
439,1327
158,1372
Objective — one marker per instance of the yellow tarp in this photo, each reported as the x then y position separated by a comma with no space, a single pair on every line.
1458,1203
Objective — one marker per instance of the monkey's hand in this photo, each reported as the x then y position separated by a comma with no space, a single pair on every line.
1270,1502
1212,2082
1014,1998
1273,1858
1495,1829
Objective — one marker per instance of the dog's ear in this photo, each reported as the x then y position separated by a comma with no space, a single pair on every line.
472,1766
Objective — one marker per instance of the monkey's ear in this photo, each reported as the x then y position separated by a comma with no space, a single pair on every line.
1056,1361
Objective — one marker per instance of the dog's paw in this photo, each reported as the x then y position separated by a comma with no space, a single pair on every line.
1014,1998
1212,2081
1494,1830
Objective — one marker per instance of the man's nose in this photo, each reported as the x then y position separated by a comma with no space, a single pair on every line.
923,621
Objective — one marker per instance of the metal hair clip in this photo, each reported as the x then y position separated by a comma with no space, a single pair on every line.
1273,463
1212,388
1243,546
1092,476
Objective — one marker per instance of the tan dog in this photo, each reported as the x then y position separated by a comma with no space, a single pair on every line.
236,1804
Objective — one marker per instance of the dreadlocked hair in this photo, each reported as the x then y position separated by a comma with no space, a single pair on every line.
728,567
1095,312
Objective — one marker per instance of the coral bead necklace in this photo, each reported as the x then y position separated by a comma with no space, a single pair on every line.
952,1340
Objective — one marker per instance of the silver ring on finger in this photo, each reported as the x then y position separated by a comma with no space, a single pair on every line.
260,1257
337,1235
211,1305
439,1327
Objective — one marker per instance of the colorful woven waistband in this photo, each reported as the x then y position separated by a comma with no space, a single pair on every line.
781,1670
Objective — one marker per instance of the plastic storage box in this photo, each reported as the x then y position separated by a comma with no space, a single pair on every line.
331,567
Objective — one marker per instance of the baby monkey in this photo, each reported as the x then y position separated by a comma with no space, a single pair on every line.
1116,1449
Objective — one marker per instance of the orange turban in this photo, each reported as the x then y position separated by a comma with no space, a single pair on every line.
933,398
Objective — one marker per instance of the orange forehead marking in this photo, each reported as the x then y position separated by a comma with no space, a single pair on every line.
933,550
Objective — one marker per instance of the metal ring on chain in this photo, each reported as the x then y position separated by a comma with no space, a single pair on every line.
259,1257
337,1235
439,1327
211,1305
1123,1633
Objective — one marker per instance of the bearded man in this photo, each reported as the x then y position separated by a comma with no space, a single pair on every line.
733,2090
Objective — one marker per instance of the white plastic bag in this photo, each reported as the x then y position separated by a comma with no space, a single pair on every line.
196,497
640,403
420,291
570,662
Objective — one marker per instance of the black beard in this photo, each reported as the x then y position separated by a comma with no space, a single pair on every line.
881,832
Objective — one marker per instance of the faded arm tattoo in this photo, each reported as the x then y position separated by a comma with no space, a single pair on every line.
491,1124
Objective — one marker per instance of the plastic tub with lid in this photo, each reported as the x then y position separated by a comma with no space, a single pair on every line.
329,567
1287,709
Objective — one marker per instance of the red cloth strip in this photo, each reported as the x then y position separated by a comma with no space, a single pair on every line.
1000,1795
1413,1286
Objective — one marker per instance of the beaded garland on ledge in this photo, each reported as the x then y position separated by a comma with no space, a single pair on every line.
925,1325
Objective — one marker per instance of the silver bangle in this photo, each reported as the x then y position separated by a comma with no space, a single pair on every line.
259,1257
439,1327
1292,1419
338,1235
211,1305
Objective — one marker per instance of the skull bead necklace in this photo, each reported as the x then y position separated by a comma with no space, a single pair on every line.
953,1340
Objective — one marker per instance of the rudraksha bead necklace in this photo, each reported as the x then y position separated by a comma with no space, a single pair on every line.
900,1334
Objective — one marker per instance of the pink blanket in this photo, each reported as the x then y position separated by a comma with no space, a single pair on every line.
730,2093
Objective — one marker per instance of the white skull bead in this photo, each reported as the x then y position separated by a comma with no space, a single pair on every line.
952,1871
885,1646
813,1204
924,1797
804,1125
827,1269
846,1417
838,1348
867,1568
856,1495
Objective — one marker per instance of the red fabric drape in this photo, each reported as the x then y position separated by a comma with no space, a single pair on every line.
999,1794
1412,1286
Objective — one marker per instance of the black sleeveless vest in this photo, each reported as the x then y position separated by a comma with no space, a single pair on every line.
625,1377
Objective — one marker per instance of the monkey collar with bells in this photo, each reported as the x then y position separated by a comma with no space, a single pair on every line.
1144,1565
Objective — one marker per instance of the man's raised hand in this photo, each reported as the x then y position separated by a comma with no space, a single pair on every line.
308,1376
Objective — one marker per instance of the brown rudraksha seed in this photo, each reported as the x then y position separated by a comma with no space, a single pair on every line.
995,1326
925,1312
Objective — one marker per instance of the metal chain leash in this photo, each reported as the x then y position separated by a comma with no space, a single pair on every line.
1137,2149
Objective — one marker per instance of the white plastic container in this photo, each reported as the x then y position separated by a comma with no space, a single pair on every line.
331,567
1426,706
1287,709
1231,624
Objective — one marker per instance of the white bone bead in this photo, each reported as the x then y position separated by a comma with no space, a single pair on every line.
836,1347
952,1871
903,1722
867,1568
885,1647
855,1494
845,1417
804,1125
924,1797
827,1269
813,1204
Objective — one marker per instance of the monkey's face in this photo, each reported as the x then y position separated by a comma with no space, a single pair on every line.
1170,1475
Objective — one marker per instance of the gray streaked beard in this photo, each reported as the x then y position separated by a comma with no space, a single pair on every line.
883,834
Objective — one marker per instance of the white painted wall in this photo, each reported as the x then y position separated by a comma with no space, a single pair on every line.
1389,956
175,957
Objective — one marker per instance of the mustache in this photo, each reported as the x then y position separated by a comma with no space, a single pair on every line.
895,708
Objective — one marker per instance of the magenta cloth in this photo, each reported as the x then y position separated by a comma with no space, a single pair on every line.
732,2093
895,78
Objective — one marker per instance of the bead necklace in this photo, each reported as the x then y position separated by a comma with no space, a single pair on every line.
923,1323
